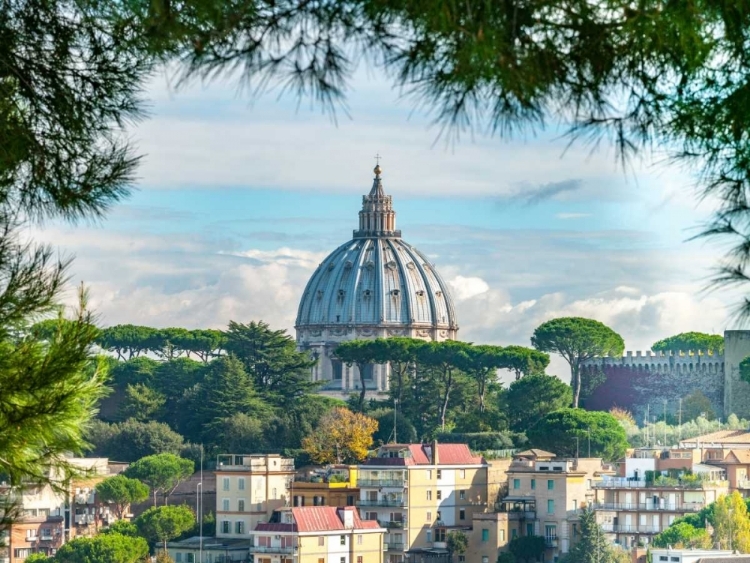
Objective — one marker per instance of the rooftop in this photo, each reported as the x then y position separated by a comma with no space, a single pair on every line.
422,454
718,438
319,519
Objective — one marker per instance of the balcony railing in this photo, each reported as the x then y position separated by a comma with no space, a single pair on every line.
630,528
395,546
397,502
392,523
743,483
381,483
666,507
550,541
267,549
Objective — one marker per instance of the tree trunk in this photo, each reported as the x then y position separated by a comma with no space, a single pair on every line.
576,377
363,391
481,386
154,497
446,398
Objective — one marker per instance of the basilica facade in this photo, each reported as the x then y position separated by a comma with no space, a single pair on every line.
374,286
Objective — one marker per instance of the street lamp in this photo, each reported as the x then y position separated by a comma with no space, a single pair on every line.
199,516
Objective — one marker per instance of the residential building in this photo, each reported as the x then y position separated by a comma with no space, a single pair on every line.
249,488
545,496
199,549
632,508
318,534
419,492
490,534
697,556
333,486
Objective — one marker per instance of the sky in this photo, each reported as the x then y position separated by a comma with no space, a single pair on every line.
239,198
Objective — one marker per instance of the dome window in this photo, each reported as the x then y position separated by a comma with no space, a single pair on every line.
320,294
395,292
438,294
367,293
391,265
330,266
342,293
370,265
348,265
420,293
411,265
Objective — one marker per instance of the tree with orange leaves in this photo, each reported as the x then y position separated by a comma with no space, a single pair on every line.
342,436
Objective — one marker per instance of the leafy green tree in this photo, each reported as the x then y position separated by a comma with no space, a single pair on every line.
442,359
132,440
401,354
206,343
565,431
524,361
506,557
732,523
271,359
121,492
533,397
122,527
109,548
161,472
127,341
481,364
38,558
697,404
361,353
682,535
405,431
592,547
457,542
690,341
527,548
745,369
242,433
164,523
141,403
577,340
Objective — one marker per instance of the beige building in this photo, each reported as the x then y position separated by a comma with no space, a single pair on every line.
419,492
333,486
249,488
545,496
318,534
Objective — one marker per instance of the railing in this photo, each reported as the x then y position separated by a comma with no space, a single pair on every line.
619,484
630,528
381,483
666,507
550,541
391,523
395,546
665,483
743,483
398,502
268,549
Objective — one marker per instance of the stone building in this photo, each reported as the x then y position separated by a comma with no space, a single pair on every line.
373,286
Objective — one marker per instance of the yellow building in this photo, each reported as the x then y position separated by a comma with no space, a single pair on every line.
419,492
318,534
248,490
334,486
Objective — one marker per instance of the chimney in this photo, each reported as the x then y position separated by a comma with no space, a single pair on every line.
435,458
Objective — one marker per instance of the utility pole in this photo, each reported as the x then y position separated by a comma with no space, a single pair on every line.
665,423
679,420
395,420
589,433
200,514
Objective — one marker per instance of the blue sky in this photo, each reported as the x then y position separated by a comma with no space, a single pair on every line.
238,200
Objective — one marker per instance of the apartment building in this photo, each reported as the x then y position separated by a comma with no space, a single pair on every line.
419,492
697,556
249,488
545,496
645,499
48,517
333,486
318,534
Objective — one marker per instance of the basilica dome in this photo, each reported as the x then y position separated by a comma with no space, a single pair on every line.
375,285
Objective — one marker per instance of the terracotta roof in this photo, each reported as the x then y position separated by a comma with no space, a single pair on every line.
722,436
275,527
737,456
725,559
534,453
327,519
448,454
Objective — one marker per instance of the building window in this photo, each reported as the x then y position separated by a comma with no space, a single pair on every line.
439,516
463,473
190,557
429,474
501,535
342,540
22,552
359,539
513,534
239,527
485,559
321,541
259,507
30,534
343,560
429,495
225,526
440,534
462,514
530,529
241,505
429,517
550,485
533,484
178,557
550,531
225,505
516,483
322,559
439,473
359,559
461,558
485,535
439,494
429,536
462,495
275,495
550,506
241,483
225,484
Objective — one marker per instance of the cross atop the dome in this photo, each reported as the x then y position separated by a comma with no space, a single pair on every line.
377,158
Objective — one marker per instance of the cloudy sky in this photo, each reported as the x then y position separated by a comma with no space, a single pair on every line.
239,199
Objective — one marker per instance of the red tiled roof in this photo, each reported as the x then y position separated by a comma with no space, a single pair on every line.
721,436
327,519
448,454
457,454
275,527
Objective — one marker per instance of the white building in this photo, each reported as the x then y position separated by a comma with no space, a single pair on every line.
696,556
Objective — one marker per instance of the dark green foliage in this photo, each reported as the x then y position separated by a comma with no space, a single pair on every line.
697,404
557,433
405,431
690,341
457,542
141,403
745,369
577,339
683,535
593,546
122,527
524,361
38,558
480,441
530,399
164,523
527,548
506,557
121,491
161,472
109,548
132,440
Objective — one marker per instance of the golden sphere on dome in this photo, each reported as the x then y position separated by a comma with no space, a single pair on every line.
377,170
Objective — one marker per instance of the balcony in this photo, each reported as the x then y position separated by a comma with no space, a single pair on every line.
743,483
267,549
550,541
392,524
394,502
630,529
399,483
647,506
395,546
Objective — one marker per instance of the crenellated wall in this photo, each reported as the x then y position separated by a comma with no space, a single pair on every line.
638,379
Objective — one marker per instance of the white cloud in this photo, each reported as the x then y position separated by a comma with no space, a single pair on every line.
466,288
566,216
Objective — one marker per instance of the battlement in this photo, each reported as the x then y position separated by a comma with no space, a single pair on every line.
684,360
